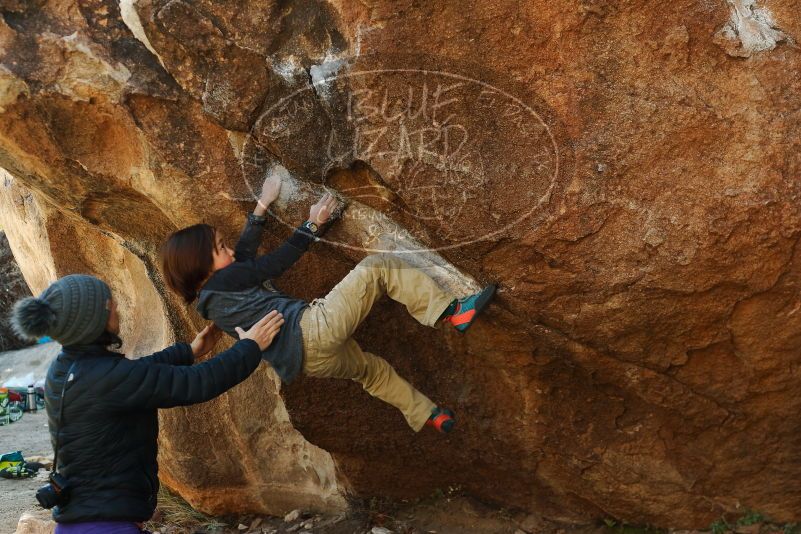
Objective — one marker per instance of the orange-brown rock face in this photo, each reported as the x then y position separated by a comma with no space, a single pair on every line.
628,173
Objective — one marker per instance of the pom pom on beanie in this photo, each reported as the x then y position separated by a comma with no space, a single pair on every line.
33,318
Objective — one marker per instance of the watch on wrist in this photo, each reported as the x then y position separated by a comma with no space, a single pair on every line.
311,227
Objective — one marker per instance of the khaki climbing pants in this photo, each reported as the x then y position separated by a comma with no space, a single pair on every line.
328,324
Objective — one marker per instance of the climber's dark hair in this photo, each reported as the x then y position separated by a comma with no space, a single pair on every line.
187,259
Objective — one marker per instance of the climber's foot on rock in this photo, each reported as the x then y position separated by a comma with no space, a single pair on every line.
463,312
441,420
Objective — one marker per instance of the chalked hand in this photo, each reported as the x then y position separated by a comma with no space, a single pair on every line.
321,212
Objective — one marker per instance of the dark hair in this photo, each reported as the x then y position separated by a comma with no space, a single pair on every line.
107,339
187,259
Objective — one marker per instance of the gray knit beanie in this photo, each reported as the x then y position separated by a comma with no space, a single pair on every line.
73,311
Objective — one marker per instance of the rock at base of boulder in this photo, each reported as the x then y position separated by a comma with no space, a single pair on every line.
37,522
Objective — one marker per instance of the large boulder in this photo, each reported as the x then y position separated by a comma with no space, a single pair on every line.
628,173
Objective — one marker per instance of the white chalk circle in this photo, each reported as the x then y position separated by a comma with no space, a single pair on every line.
452,152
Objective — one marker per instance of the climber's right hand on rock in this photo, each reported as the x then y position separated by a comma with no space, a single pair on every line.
264,331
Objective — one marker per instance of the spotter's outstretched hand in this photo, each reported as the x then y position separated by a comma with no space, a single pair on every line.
264,331
205,340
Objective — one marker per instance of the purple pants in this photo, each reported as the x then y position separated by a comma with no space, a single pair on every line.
99,527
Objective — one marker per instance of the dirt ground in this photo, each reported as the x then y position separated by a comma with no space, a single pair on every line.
30,436
440,514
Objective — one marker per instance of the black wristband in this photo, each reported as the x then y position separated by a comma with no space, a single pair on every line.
256,219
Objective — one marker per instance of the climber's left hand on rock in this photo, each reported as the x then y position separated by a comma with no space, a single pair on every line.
321,212
270,190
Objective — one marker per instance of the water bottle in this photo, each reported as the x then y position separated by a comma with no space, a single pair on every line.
31,399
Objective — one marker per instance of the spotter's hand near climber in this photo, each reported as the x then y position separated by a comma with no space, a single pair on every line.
205,340
234,288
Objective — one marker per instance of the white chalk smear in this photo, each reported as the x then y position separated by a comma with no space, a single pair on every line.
322,74
287,68
750,29
131,19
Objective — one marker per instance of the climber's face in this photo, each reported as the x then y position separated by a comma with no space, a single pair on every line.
223,256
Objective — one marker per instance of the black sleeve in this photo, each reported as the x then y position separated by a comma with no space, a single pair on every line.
178,354
249,240
273,264
146,386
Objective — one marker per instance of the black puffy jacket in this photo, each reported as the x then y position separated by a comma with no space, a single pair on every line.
108,436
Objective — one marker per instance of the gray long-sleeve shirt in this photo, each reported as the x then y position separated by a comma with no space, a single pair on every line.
242,293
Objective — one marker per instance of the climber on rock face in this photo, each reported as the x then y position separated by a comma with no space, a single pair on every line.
102,407
233,287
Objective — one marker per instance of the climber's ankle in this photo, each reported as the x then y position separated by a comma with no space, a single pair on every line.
462,312
450,310
441,419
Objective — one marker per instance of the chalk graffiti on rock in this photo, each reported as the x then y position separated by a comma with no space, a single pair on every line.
451,151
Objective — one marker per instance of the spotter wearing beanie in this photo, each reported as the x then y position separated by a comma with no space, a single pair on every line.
73,311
